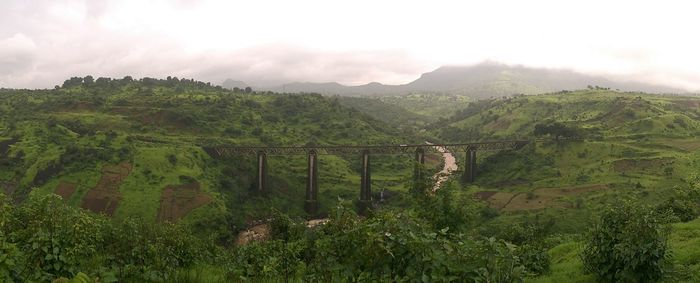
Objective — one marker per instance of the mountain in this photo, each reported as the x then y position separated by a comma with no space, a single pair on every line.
230,84
480,81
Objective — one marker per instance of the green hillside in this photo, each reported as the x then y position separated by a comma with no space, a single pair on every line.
134,152
122,147
612,146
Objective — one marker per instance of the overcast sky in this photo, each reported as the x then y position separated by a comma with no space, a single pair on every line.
353,42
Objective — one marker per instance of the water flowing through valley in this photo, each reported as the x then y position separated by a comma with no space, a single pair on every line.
450,165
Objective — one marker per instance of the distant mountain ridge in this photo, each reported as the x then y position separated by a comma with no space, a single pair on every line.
230,84
479,81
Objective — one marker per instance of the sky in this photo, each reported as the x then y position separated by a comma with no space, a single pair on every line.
263,42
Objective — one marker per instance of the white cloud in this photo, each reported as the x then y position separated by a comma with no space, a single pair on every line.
347,41
16,54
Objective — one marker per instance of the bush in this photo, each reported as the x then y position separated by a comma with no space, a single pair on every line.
534,257
627,244
684,203
44,238
284,228
9,254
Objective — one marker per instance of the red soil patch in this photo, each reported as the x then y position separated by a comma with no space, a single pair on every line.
178,200
538,199
65,190
484,195
625,165
105,197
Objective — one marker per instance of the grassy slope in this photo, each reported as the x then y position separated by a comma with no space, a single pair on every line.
637,144
631,138
111,123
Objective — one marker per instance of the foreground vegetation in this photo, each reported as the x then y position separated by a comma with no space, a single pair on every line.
44,238
140,199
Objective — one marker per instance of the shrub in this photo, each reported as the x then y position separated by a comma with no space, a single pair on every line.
282,227
9,254
534,257
684,204
627,244
55,239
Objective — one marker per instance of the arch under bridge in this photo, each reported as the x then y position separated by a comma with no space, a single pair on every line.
364,151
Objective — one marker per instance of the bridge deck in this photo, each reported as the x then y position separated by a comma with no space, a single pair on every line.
226,150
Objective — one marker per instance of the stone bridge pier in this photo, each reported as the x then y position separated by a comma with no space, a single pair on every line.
261,176
469,174
365,182
311,203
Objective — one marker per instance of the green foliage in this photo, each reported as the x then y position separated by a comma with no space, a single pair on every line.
9,253
283,228
628,244
555,129
534,257
55,239
395,247
684,203
47,239
79,278
447,209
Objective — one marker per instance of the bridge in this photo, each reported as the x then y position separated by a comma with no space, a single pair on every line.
365,151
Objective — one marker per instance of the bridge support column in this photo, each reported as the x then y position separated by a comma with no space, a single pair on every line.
470,167
261,182
418,168
311,205
365,183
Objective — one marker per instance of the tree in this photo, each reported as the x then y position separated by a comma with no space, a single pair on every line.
248,89
88,80
72,82
556,129
628,244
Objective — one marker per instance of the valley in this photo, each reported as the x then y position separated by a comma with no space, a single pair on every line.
126,149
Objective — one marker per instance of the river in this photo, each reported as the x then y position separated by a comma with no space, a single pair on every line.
449,167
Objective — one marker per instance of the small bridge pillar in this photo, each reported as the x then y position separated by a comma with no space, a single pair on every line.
311,205
366,180
470,166
261,182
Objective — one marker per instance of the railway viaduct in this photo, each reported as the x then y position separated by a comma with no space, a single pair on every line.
364,151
